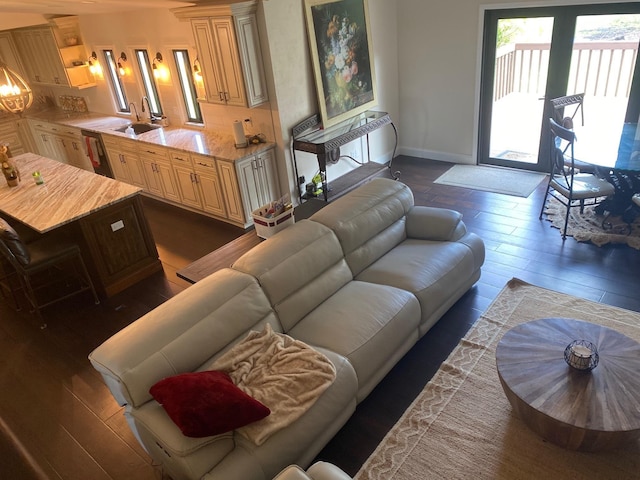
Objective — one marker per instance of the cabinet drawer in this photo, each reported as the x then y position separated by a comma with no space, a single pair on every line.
153,152
181,159
46,126
205,163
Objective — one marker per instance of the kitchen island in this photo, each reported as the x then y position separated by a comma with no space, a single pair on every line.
104,216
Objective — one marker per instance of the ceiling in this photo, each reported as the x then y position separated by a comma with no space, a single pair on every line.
83,7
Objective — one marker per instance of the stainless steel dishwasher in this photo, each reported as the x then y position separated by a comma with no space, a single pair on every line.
92,143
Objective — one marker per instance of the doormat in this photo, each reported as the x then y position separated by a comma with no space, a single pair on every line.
507,181
587,226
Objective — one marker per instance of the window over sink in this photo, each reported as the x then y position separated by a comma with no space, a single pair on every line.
116,84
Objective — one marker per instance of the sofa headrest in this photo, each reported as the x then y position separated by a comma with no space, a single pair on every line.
183,333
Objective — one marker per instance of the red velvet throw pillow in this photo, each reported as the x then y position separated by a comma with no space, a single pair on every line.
206,403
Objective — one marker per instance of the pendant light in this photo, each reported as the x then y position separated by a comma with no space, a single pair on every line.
15,95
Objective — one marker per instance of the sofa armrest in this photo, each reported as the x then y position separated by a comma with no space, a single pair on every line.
317,471
438,224
326,471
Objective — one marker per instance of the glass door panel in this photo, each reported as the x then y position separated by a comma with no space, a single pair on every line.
520,79
602,67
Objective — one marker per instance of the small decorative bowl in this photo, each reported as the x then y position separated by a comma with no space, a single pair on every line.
581,355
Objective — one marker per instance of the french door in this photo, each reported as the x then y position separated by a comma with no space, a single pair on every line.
533,55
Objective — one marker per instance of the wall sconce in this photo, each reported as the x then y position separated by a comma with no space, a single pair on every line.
197,70
94,65
15,95
123,58
160,71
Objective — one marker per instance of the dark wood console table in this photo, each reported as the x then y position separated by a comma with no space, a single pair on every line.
309,136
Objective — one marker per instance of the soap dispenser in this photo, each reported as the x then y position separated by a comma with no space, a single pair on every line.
130,131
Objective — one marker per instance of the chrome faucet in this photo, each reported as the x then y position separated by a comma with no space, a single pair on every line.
151,117
135,109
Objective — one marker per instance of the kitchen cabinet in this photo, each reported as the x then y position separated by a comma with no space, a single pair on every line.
10,136
47,142
54,55
229,53
124,161
61,143
198,182
258,179
160,179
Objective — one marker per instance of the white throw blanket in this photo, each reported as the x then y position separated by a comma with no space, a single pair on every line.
282,373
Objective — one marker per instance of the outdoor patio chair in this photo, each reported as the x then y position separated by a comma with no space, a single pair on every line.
558,104
566,185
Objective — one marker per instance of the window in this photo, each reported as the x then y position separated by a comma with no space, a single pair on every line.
183,65
149,85
116,84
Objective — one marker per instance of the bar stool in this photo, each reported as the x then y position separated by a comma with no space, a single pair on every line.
49,269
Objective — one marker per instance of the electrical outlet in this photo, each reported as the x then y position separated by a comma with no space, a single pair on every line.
248,121
301,180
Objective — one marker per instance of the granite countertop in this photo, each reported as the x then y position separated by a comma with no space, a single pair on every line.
68,193
205,142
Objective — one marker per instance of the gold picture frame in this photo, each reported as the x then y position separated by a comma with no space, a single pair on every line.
341,50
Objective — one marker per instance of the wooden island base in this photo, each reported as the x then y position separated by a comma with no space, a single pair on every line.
103,216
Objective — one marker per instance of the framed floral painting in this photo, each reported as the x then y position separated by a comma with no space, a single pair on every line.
341,51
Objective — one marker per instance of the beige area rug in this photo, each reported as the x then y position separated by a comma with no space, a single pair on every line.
508,181
587,226
461,425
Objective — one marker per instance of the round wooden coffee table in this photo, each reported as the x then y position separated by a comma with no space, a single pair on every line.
575,409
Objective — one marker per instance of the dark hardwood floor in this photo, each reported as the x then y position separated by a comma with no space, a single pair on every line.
58,420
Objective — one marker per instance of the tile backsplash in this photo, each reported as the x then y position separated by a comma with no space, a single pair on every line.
69,103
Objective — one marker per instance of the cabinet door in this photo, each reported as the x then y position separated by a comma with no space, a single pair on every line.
249,183
134,168
49,146
167,179
212,200
186,181
267,175
116,161
214,88
251,59
232,195
152,178
9,134
27,50
229,60
55,73
41,56
76,155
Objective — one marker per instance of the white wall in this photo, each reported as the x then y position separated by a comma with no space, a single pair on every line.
437,61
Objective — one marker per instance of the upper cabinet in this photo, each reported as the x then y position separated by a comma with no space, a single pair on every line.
54,54
228,45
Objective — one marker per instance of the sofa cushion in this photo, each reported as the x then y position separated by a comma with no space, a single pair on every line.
368,221
237,457
298,269
207,403
182,334
371,325
437,273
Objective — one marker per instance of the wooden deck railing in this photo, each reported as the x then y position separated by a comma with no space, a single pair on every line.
597,68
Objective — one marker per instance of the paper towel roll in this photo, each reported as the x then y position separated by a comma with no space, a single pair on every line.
238,134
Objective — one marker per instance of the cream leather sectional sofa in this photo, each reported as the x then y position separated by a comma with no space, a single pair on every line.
360,281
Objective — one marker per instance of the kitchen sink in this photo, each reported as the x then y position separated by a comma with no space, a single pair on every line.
138,128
